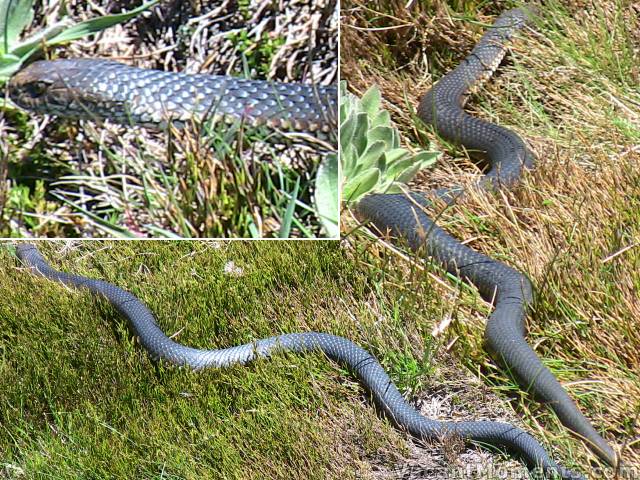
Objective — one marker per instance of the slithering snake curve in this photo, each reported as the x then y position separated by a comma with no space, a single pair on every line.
385,394
510,291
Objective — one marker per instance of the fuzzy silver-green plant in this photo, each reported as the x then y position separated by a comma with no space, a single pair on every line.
371,158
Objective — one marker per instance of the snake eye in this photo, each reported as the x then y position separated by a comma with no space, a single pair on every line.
35,89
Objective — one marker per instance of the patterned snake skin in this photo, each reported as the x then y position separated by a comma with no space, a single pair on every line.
509,290
385,394
102,89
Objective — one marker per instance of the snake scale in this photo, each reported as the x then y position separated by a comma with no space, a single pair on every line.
98,89
510,291
364,365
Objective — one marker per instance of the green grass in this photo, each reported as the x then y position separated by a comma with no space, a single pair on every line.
80,399
570,89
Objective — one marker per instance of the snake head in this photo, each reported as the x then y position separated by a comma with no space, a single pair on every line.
32,87
51,87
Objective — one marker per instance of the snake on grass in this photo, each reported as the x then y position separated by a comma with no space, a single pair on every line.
97,89
510,291
364,365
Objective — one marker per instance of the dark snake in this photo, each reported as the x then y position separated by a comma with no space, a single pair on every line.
364,365
511,292
97,89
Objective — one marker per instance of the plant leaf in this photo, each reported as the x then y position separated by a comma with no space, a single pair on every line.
8,66
360,133
285,228
382,133
15,15
347,130
27,47
371,156
326,196
395,155
408,173
371,101
361,184
383,118
426,158
98,24
370,153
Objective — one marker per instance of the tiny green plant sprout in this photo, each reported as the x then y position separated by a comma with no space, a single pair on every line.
371,157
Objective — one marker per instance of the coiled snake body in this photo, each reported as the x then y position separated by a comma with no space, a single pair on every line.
362,363
509,290
103,89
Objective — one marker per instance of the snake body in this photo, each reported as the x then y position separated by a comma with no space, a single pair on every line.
510,291
364,365
103,89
